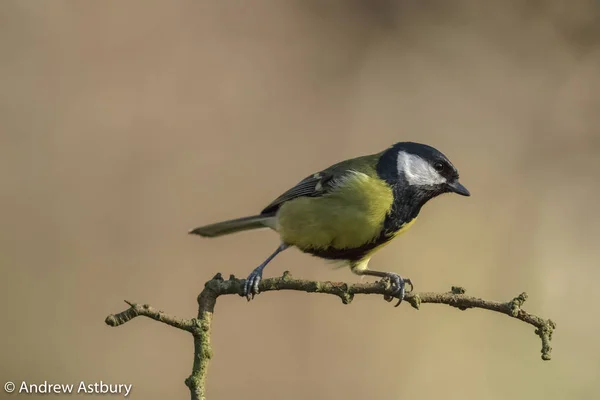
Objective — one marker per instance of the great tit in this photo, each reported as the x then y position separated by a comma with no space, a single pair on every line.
352,209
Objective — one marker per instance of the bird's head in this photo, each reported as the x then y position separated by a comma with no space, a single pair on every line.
422,168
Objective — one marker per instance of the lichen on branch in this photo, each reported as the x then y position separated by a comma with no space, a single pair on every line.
200,327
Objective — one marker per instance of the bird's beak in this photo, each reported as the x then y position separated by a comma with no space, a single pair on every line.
458,188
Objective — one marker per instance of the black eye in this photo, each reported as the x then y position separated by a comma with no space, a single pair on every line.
439,167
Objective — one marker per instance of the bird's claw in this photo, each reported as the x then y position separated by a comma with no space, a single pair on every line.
251,285
398,288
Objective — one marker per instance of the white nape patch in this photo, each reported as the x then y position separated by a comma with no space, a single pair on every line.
417,171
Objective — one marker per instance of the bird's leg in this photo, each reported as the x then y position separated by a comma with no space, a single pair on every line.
251,284
398,283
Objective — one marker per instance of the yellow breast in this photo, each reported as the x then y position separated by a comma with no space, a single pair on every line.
349,216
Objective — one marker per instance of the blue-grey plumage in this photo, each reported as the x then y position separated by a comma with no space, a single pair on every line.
351,209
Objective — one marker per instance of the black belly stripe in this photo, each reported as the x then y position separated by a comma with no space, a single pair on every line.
353,254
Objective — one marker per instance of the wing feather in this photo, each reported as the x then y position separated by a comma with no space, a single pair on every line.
325,181
312,186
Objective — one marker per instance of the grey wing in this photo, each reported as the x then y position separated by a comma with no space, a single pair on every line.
312,186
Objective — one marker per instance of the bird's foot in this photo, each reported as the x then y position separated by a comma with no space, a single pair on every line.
251,284
398,287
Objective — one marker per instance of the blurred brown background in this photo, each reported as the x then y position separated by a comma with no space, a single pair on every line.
124,124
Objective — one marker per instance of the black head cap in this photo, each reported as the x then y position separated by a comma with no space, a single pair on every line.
420,166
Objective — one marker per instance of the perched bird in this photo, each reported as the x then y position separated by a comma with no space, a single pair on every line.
352,209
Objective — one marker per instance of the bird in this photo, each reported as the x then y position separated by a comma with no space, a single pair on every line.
347,212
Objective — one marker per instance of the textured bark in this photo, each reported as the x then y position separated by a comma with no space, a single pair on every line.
200,327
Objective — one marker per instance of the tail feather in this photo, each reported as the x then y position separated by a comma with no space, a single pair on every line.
235,225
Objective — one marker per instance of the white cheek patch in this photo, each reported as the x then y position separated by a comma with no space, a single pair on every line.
417,171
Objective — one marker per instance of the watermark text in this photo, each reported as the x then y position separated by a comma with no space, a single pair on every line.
82,387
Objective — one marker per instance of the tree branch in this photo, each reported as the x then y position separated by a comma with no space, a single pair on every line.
200,327
136,310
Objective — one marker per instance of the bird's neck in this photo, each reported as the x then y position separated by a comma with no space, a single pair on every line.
408,199
408,202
